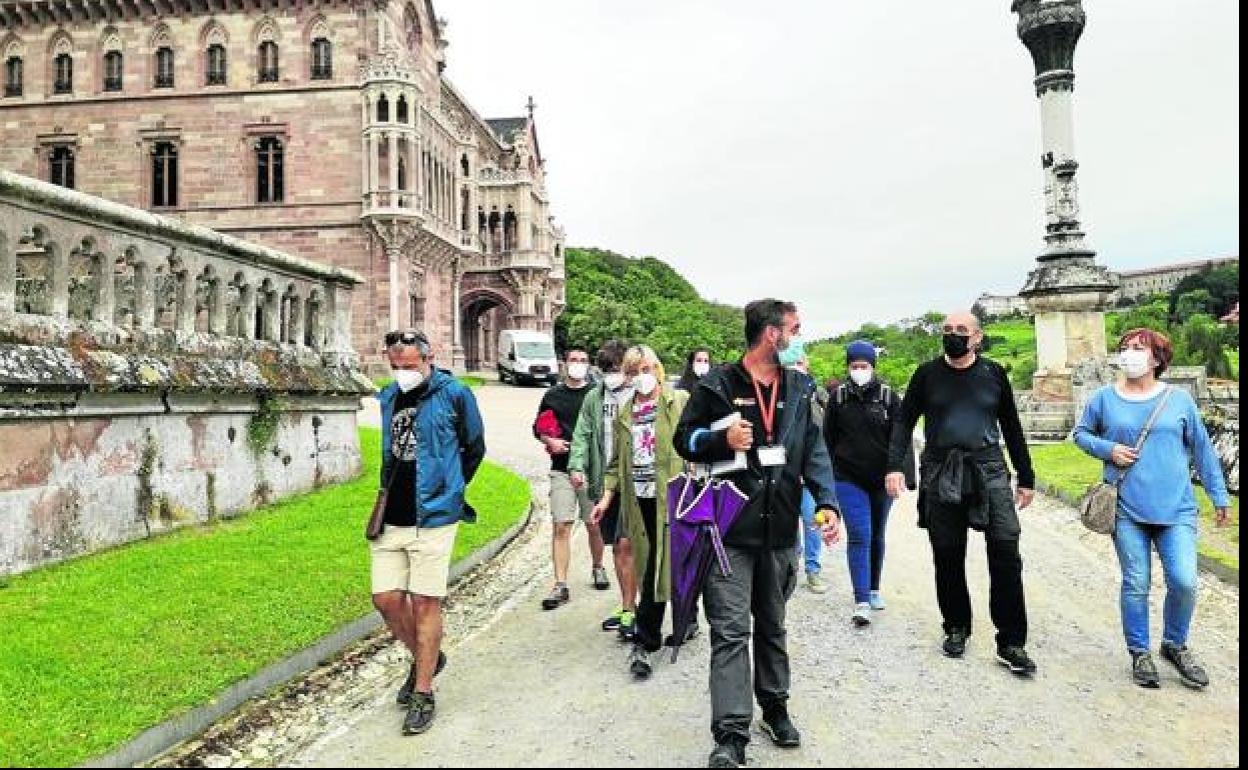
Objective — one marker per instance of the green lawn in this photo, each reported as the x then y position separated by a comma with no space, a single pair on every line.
1070,472
1014,347
96,650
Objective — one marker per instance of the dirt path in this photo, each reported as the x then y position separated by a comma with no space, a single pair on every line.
532,688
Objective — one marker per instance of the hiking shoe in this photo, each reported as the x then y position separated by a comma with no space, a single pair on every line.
816,584
558,596
601,582
730,753
779,728
628,628
691,633
955,642
419,714
1190,671
862,615
1016,660
1144,670
639,663
404,697
612,623
876,601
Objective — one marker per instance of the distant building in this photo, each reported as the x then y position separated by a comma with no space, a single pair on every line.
1137,284
1000,305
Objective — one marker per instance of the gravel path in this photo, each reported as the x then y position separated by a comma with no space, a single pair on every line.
536,689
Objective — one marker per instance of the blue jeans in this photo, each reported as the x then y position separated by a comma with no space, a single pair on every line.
810,545
866,518
1176,545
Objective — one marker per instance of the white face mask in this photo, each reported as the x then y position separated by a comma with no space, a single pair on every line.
1135,363
614,380
645,383
861,376
578,371
700,368
408,379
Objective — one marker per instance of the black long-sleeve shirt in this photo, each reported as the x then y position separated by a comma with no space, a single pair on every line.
858,426
565,402
969,409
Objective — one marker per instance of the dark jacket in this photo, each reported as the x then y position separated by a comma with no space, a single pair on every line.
858,426
450,445
772,515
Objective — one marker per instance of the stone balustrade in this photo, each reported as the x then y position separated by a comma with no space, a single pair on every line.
155,373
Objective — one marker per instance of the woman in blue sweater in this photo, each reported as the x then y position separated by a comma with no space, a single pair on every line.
1156,503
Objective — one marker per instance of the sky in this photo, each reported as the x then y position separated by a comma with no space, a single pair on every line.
868,160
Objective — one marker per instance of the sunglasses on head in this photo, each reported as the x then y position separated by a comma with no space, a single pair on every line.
405,338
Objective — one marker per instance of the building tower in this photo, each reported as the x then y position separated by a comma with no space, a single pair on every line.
1068,291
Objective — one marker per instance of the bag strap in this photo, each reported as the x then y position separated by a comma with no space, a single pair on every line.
1148,428
394,469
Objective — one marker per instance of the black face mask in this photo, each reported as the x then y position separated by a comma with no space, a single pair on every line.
956,345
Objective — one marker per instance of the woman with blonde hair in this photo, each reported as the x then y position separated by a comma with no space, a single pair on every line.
643,463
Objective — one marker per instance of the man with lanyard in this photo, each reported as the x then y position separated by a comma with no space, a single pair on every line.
967,405
761,543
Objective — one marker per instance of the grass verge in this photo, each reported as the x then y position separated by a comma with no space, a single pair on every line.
96,650
469,380
1067,472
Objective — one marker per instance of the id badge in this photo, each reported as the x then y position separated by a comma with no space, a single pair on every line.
771,456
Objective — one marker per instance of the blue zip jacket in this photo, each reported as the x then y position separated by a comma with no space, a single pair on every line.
450,445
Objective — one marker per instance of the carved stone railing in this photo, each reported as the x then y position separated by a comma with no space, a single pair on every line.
154,373
495,176
527,259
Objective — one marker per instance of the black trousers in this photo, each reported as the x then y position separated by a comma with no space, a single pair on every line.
649,612
1007,604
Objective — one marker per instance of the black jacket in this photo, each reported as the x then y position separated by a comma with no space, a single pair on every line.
771,518
857,426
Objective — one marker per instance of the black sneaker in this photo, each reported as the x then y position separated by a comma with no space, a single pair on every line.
730,753
1016,659
779,728
404,697
558,596
691,633
419,714
1190,671
639,663
955,642
1144,670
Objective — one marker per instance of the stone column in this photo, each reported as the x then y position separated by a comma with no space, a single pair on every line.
374,167
104,308
247,311
1068,291
144,295
392,145
58,281
458,360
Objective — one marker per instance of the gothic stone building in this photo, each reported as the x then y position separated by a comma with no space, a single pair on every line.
323,128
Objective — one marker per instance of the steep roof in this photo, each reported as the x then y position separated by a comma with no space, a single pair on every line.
507,128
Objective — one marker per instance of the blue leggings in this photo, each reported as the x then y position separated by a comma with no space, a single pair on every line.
866,517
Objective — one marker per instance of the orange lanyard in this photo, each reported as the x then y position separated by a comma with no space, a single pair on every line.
769,412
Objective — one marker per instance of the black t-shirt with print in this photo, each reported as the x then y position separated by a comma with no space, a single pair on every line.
401,504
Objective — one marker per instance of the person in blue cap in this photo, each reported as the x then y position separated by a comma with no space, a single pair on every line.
857,425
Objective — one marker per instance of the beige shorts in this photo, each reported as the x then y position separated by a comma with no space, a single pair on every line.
568,504
414,559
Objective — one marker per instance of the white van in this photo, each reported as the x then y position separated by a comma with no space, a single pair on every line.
526,356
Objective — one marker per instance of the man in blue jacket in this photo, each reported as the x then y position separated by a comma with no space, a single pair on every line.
432,442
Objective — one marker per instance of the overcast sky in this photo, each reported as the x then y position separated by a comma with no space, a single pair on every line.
870,160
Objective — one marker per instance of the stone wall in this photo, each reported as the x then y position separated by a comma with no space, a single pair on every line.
155,373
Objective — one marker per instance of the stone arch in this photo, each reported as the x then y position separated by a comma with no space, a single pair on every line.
484,312
265,30
85,279
160,37
267,312
60,43
313,320
12,45
291,316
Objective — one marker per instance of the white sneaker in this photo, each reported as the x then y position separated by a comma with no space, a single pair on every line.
876,601
815,583
862,614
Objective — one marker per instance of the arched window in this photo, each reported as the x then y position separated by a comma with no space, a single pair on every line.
270,171
268,62
383,109
463,164
164,67
322,59
411,28
64,74
214,70
400,110
164,175
13,76
61,164
112,71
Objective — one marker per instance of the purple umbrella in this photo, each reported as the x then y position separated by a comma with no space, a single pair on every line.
699,512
